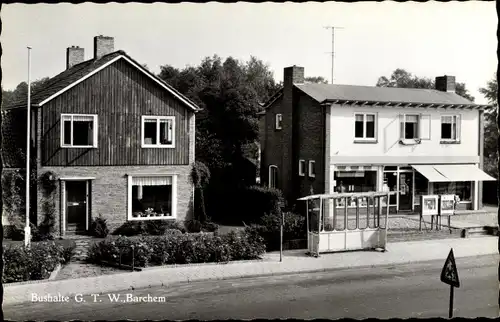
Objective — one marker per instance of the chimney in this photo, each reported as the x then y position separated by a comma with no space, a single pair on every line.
293,75
74,56
445,83
103,45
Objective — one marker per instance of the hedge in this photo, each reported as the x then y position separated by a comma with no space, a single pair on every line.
255,202
177,249
34,263
269,229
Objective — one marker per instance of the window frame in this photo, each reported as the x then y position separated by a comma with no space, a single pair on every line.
302,168
312,165
458,120
403,130
278,121
375,127
274,186
72,146
158,118
129,197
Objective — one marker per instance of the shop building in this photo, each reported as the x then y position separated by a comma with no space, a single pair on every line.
323,138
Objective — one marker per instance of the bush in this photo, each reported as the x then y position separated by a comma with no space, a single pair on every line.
99,227
193,226
148,227
178,249
34,263
257,201
209,226
269,229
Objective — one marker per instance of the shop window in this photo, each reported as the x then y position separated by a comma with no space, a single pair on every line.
356,181
462,189
391,184
421,187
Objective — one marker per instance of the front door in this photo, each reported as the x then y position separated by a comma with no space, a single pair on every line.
76,206
405,190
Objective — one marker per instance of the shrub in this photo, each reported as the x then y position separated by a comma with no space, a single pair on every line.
269,228
131,228
99,227
34,263
148,227
257,201
209,226
193,226
178,249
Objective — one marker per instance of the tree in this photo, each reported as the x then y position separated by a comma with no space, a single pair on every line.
404,79
21,91
229,92
490,92
316,80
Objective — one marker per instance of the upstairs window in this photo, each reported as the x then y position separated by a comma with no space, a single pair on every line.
312,169
279,121
78,131
450,128
415,127
364,126
158,131
302,168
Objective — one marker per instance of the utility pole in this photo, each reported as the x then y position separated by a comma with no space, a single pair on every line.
333,44
27,228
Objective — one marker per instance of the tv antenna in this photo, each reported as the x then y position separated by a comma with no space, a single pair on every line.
333,44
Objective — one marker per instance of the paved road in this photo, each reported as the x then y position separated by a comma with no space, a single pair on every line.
384,292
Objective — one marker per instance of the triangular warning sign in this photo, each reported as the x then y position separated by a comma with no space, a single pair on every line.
449,274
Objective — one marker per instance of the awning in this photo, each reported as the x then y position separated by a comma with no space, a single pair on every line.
452,173
430,173
463,172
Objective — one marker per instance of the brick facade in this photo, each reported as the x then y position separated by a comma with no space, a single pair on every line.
109,191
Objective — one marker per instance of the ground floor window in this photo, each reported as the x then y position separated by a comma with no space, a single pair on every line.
152,197
355,181
462,189
421,187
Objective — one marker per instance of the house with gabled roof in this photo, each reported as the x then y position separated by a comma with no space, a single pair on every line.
324,138
114,139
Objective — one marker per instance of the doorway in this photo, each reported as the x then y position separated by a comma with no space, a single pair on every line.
77,206
405,191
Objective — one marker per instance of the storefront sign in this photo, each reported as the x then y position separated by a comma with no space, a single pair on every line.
429,205
447,205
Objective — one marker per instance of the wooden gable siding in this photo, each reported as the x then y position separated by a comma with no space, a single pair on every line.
119,95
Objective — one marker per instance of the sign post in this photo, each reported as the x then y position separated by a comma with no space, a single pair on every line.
281,235
449,275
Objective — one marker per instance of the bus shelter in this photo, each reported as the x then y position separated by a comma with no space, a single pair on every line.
346,221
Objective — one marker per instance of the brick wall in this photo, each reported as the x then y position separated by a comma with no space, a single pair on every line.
272,151
310,145
109,190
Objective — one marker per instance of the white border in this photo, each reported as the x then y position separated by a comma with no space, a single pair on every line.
96,130
375,120
106,65
458,121
311,162
269,177
158,145
279,123
129,197
302,173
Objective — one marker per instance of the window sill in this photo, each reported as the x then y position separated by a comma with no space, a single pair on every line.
410,141
151,146
366,141
151,218
449,142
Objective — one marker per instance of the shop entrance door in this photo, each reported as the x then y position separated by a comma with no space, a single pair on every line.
405,191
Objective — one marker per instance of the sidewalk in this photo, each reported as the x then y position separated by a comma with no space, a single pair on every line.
293,262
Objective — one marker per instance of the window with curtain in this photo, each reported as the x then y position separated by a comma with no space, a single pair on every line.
158,131
364,126
152,196
450,127
78,130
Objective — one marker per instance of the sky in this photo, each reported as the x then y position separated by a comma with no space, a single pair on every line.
427,39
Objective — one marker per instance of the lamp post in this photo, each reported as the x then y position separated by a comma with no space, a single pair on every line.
27,229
